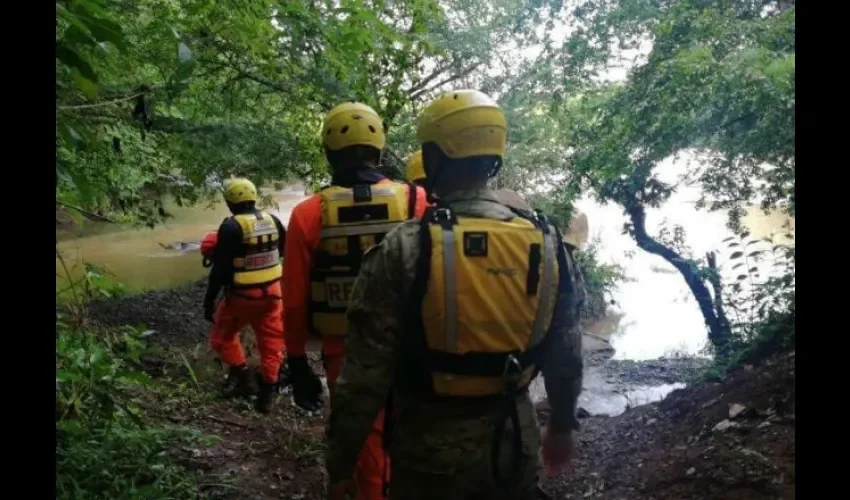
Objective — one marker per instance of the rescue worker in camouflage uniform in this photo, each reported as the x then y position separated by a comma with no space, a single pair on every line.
454,333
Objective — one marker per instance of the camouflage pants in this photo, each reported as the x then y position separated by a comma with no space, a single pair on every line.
450,459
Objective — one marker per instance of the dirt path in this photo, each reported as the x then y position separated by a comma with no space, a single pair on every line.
669,450
251,456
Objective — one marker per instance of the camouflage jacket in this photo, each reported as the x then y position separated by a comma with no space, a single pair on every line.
372,352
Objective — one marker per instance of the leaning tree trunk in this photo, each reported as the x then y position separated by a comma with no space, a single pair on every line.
714,279
718,328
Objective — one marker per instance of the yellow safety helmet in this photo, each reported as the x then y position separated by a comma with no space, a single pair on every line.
464,123
353,124
240,190
415,169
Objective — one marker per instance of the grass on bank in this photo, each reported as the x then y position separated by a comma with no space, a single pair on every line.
107,447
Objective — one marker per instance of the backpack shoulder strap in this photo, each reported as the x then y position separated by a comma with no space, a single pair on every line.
411,200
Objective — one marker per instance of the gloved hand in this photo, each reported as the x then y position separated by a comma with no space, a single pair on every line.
557,451
209,310
306,386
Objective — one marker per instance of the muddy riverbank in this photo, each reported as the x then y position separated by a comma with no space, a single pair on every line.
734,439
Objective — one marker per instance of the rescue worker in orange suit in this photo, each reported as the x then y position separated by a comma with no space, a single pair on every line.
246,267
327,235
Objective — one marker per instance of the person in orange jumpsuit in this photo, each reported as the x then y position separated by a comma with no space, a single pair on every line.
246,272
327,235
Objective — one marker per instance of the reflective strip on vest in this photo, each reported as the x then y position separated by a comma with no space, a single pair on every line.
337,231
549,259
451,288
377,192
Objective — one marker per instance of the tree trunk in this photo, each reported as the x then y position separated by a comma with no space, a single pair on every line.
718,333
714,279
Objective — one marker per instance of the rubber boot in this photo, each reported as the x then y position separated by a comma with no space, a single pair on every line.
239,382
283,379
265,396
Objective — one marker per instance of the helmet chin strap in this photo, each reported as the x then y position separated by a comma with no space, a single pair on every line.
496,167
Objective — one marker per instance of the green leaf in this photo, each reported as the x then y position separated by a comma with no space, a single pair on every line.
184,53
70,135
184,71
87,87
78,34
72,59
105,30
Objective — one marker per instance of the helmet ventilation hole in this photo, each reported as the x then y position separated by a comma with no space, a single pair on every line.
344,129
371,129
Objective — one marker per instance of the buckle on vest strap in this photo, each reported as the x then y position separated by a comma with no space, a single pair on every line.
361,193
512,374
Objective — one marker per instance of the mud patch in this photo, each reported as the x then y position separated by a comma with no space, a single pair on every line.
653,372
176,315
252,456
732,440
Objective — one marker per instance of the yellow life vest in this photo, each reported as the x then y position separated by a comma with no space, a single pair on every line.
257,261
482,303
353,220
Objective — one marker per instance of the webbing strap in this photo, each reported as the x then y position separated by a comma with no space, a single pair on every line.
449,278
545,291
411,200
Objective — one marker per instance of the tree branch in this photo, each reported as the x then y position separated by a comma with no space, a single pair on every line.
101,104
428,79
85,212
467,71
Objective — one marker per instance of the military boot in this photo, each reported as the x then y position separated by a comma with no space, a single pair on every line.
265,396
240,382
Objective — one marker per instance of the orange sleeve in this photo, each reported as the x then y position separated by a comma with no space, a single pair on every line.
302,239
421,202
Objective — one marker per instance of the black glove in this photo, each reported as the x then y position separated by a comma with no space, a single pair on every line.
209,309
306,386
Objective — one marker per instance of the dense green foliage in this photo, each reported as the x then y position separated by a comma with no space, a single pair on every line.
172,96
600,279
718,81
105,447
159,96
